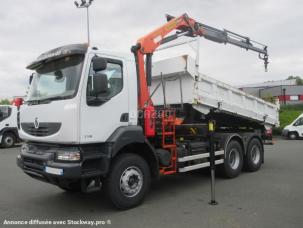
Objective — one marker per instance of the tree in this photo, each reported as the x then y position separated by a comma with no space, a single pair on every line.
269,98
299,80
5,102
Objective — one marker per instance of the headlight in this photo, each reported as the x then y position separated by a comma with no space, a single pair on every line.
68,156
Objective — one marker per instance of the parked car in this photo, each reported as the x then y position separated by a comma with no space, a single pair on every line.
295,129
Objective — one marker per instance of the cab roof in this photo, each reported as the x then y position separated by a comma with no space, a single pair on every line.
72,49
59,52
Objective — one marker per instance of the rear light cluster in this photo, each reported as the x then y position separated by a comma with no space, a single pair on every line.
268,132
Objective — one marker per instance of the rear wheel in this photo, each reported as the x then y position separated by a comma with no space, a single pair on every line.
253,157
128,181
292,135
8,140
233,161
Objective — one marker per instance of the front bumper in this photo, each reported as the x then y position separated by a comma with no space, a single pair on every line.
285,132
36,161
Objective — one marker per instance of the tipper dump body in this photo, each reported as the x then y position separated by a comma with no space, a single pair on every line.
184,84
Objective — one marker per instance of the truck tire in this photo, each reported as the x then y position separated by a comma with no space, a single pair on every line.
8,140
129,181
233,161
293,135
253,157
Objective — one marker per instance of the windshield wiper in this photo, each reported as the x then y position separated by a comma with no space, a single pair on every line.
56,98
46,100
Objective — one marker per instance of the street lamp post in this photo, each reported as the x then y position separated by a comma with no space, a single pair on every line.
284,96
85,4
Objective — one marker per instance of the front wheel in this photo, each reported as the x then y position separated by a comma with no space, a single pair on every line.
292,135
8,140
128,181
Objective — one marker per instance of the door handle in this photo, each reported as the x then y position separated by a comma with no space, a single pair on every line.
6,125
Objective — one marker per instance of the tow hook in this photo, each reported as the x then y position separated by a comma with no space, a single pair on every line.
91,185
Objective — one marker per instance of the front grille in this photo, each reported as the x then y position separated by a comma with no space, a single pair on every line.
33,161
44,129
33,164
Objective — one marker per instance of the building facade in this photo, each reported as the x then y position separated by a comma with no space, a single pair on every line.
287,91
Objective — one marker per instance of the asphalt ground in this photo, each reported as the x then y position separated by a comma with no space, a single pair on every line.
271,197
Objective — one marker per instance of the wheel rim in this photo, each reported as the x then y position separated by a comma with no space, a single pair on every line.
131,181
292,136
255,154
234,158
9,141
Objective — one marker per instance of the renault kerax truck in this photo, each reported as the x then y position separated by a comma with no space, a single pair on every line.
98,119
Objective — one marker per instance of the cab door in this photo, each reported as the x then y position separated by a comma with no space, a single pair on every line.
101,114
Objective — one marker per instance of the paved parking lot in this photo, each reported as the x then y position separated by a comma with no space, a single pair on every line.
271,197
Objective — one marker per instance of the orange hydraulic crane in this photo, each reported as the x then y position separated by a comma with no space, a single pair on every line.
184,26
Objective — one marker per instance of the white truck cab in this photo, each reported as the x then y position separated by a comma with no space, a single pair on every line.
80,112
8,125
62,107
295,129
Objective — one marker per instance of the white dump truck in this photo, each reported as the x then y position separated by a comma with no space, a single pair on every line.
8,125
98,118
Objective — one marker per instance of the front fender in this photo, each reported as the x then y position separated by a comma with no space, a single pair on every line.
124,136
132,138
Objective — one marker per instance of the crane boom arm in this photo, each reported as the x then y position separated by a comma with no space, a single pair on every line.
184,26
149,43
226,36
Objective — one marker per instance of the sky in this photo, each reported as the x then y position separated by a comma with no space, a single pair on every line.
29,28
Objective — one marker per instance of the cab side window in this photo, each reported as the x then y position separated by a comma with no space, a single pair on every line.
5,112
113,73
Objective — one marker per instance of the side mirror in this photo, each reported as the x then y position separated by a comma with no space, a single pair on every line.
100,83
99,64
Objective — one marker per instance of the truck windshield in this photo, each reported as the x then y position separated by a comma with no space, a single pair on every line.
57,79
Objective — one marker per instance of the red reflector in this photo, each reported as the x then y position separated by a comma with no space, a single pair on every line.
269,132
18,101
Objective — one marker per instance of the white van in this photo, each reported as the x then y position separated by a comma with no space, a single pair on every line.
295,129
8,125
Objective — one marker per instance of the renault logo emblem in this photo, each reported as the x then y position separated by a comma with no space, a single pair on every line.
36,123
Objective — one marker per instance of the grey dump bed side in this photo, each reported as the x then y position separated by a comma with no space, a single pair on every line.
184,84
